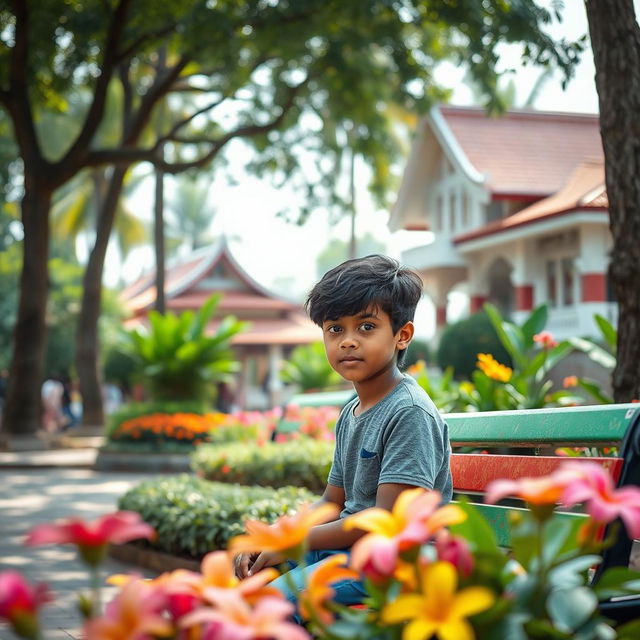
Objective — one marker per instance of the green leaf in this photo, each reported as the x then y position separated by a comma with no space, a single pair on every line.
617,581
535,324
509,335
594,351
609,332
475,529
570,608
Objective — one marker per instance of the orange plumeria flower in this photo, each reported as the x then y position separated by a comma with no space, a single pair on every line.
570,381
319,590
217,572
536,491
288,534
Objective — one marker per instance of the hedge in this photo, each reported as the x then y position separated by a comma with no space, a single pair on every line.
193,516
303,462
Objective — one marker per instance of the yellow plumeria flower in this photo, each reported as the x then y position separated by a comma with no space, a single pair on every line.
493,369
439,610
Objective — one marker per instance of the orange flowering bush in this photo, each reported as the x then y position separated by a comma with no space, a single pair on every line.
184,428
432,572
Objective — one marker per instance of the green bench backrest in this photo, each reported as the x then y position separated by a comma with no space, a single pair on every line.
602,425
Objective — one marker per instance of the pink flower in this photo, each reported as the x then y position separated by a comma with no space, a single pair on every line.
134,614
455,550
92,538
545,340
592,484
415,517
19,603
233,618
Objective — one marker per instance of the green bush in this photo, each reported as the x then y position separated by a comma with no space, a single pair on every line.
193,516
417,351
302,463
462,341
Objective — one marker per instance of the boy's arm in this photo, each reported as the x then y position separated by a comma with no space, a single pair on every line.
331,535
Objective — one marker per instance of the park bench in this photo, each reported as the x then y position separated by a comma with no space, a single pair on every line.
534,435
532,438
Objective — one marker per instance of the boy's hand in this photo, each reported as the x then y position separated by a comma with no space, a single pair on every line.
266,559
243,563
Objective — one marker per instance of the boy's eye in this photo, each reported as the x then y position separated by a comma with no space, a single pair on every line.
334,328
367,326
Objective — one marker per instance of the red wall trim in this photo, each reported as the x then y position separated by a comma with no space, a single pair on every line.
476,302
524,297
594,287
441,316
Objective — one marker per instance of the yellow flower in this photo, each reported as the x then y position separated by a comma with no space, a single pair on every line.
493,369
439,610
319,589
287,534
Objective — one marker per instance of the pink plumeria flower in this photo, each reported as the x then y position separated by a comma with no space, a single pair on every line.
415,517
19,603
233,618
92,538
136,613
545,340
455,550
590,483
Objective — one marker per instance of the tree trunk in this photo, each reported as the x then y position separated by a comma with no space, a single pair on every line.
23,408
88,340
615,39
158,235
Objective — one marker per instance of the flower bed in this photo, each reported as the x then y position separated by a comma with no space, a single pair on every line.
302,462
161,427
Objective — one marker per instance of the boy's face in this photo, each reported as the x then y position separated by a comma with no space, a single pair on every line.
363,346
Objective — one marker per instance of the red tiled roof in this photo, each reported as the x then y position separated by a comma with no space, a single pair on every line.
294,329
584,189
525,152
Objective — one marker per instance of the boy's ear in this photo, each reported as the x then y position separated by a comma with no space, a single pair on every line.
404,335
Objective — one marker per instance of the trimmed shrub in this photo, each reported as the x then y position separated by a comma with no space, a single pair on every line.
302,462
462,341
193,516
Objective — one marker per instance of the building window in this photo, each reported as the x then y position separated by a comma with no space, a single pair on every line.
464,205
552,284
494,211
568,282
437,220
453,214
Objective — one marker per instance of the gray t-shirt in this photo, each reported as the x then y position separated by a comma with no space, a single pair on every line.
402,439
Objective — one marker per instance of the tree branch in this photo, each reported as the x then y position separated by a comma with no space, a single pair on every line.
75,157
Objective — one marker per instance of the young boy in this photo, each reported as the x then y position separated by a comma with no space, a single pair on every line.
391,436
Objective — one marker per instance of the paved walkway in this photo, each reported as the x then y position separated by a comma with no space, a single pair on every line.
44,486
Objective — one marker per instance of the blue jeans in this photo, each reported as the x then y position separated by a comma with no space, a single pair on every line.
347,591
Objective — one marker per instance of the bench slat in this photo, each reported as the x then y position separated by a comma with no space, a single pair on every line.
566,426
498,518
472,471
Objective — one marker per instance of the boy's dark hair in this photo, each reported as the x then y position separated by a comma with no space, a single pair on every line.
358,284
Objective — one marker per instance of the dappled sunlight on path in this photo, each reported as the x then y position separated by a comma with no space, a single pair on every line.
34,496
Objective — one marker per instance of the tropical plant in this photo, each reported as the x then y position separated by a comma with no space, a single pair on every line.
176,359
462,340
526,385
444,390
308,368
601,352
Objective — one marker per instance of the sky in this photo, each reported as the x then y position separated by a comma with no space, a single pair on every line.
282,256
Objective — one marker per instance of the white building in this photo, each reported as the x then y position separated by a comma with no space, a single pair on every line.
518,208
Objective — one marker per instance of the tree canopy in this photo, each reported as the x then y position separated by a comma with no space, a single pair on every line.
289,76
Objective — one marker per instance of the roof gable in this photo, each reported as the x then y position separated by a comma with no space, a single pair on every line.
524,152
